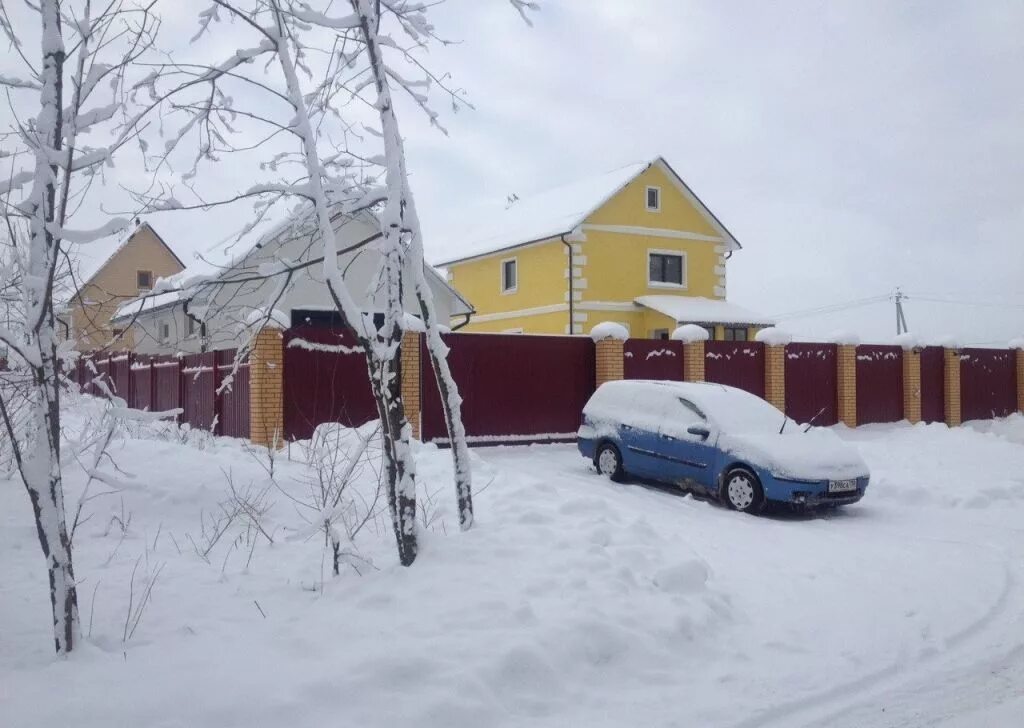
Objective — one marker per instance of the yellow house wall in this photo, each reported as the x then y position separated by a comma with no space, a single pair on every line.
608,267
547,323
541,278
115,283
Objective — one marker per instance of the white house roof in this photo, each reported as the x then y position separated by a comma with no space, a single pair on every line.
698,310
229,255
548,214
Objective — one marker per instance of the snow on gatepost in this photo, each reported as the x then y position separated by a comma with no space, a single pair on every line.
690,333
609,330
773,336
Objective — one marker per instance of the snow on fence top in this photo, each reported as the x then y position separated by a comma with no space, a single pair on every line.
847,338
773,336
1017,343
609,330
908,341
689,333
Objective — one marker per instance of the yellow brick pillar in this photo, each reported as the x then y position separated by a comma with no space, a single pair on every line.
610,365
951,385
266,388
693,361
912,385
1020,380
411,380
846,383
775,376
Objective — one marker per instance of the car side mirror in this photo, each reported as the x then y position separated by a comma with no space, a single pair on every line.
700,431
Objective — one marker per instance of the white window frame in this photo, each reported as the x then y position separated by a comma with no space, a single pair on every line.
647,197
501,276
662,284
164,338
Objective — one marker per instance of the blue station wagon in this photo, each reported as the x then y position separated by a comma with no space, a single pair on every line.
720,440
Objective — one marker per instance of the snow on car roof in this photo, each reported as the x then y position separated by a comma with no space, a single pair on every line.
732,409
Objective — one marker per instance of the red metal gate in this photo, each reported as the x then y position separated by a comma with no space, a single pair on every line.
879,384
514,387
325,380
736,363
653,359
933,384
988,383
811,383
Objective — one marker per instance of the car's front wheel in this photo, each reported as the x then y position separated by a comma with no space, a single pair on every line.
609,462
742,491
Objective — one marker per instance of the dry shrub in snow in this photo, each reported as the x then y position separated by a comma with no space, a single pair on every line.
344,489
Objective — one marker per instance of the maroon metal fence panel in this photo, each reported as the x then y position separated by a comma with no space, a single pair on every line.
736,363
514,388
141,383
988,383
119,367
811,383
653,359
197,388
933,384
325,380
879,384
165,385
234,398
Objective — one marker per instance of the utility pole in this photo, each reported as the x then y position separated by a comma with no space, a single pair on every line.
901,321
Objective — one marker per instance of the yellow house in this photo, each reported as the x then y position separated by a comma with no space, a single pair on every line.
130,271
635,246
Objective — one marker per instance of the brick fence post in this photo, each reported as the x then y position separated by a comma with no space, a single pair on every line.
775,376
609,360
1020,380
912,385
846,383
693,361
266,388
411,385
951,385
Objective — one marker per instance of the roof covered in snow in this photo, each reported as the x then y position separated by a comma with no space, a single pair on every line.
696,309
548,214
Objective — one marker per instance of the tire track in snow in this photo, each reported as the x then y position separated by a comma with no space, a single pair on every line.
838,699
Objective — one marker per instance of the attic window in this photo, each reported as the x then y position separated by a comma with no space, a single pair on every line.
145,279
653,199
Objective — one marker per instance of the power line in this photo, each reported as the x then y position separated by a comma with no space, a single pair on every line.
962,302
832,308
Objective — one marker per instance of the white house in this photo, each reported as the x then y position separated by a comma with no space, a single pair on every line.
210,304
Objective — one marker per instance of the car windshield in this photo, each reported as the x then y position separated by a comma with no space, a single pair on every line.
740,412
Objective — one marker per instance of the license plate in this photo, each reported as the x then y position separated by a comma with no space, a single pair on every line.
841,486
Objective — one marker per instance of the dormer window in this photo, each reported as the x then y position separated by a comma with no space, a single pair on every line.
145,279
653,199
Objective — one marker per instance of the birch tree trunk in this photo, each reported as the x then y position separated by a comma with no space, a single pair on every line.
402,218
40,460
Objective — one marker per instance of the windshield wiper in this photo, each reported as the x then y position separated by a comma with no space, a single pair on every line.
813,419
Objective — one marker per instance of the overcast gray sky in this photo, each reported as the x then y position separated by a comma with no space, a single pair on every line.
850,146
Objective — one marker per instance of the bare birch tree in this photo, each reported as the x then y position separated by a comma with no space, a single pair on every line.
324,83
78,81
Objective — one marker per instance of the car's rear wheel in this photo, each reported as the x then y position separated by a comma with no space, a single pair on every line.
742,491
609,462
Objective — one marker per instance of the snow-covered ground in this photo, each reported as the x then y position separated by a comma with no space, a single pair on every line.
573,601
